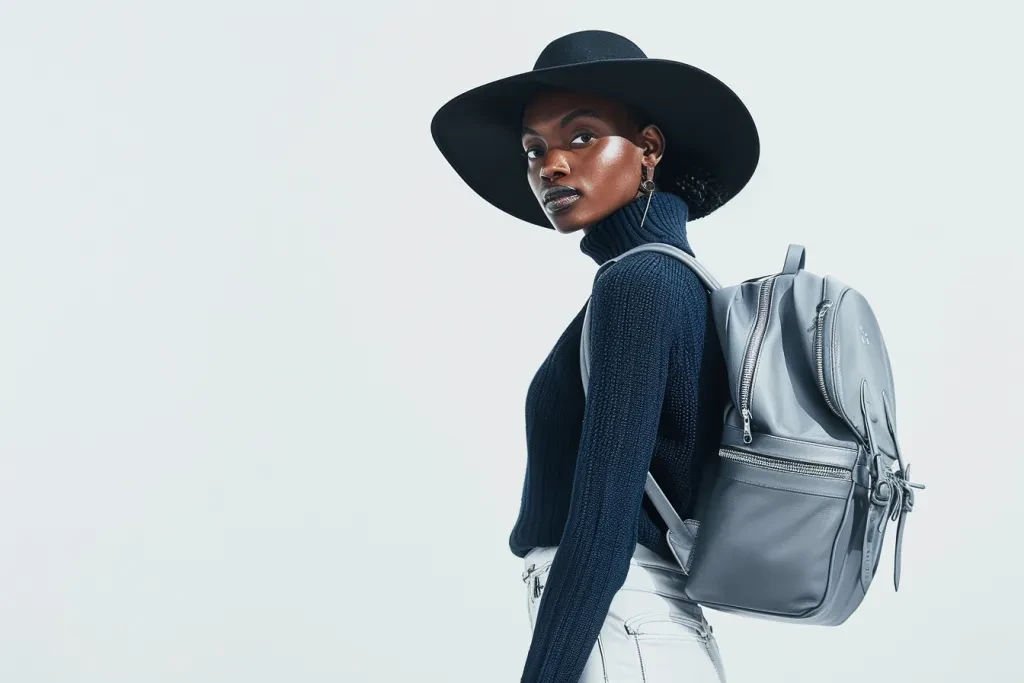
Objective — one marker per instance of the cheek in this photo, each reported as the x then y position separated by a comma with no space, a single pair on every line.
533,177
614,167
613,150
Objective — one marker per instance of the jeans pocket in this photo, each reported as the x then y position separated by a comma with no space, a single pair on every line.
673,647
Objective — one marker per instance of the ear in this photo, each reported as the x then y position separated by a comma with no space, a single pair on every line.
652,142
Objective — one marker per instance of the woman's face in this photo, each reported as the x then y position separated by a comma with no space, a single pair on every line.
584,156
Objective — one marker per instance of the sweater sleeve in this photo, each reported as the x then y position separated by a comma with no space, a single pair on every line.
637,308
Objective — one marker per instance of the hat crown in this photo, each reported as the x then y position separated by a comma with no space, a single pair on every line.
587,46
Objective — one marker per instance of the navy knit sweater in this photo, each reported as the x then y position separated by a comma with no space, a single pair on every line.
656,398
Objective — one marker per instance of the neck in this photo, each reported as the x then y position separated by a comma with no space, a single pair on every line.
621,230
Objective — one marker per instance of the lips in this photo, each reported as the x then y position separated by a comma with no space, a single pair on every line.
560,197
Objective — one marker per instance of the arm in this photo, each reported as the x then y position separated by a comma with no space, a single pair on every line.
636,309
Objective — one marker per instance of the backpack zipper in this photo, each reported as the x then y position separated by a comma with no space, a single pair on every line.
789,466
819,353
764,305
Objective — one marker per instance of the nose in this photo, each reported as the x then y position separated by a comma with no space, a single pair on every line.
556,165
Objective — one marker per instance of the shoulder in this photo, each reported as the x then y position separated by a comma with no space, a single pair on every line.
653,276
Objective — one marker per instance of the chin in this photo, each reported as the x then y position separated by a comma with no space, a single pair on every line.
569,221
566,228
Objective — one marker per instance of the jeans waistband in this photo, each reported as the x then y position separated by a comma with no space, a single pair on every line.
648,571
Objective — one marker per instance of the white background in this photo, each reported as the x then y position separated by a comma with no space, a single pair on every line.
263,356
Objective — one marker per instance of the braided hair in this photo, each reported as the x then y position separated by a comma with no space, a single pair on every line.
683,176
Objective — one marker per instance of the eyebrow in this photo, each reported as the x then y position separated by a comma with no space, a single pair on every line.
568,118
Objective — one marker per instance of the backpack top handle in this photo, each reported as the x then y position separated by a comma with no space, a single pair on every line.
796,257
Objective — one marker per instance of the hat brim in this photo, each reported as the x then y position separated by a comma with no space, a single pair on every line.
479,131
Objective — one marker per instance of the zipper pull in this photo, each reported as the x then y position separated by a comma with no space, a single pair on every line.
823,307
747,436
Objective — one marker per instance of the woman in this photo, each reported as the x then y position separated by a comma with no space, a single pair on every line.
625,149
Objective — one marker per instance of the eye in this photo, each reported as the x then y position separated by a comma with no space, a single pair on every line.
533,153
584,138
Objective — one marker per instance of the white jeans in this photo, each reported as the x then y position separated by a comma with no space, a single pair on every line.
652,633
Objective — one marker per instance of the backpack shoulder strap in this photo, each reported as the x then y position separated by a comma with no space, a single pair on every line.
681,537
710,283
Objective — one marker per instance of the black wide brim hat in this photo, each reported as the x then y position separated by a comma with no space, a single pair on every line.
712,145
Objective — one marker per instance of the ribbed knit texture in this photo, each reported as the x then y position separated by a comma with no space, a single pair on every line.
656,395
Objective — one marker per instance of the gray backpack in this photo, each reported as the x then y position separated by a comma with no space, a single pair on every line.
789,519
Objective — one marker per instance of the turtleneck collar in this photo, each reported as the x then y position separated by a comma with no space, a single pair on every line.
620,231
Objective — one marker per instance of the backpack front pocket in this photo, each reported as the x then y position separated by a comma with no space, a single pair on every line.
769,533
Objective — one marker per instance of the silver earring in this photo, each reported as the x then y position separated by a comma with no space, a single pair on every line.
646,186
